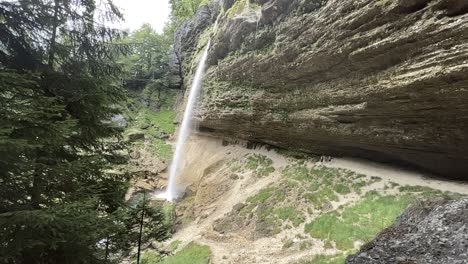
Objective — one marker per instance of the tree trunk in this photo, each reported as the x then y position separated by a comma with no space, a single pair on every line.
107,250
141,228
53,39
35,190
36,187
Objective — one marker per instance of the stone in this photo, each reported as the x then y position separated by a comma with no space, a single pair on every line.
145,126
163,135
236,208
435,232
327,207
119,120
135,154
135,136
380,80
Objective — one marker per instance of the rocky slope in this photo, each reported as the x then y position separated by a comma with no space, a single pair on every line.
428,233
385,80
260,206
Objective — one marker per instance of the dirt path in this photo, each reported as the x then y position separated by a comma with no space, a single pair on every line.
398,175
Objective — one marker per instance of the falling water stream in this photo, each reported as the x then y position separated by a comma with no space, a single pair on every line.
172,192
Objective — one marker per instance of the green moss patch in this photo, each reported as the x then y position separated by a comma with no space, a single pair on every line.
241,6
193,253
360,222
157,122
161,149
150,257
323,259
261,164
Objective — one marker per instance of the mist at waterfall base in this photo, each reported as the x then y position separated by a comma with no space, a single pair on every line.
172,193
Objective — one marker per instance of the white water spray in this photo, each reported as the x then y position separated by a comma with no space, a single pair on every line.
171,192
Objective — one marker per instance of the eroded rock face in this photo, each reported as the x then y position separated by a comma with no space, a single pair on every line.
385,80
428,233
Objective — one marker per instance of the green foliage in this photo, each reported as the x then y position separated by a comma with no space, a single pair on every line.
193,253
147,67
161,149
261,197
360,222
124,238
174,245
299,173
417,188
240,6
237,8
55,235
288,244
261,164
156,126
185,9
150,257
256,160
60,202
323,259
162,121
342,188
169,214
295,216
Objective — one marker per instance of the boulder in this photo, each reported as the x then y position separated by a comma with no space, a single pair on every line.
426,233
135,136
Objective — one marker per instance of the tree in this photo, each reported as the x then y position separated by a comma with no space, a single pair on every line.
138,224
147,67
59,89
185,9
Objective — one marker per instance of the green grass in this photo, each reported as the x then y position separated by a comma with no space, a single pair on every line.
413,189
342,188
256,160
261,197
289,243
285,213
299,173
318,198
174,245
149,257
303,192
163,121
261,164
193,253
322,259
360,222
429,193
161,149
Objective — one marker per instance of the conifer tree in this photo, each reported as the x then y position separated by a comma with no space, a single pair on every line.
59,89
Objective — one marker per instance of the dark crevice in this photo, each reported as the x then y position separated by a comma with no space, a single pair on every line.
415,6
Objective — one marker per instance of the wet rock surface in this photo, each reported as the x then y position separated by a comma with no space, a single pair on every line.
427,233
385,80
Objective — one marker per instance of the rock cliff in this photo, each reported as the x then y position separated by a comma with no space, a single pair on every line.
385,80
428,233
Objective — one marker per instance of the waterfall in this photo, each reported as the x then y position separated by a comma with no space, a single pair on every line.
185,129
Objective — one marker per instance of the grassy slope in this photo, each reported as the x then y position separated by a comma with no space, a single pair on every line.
155,125
193,253
302,193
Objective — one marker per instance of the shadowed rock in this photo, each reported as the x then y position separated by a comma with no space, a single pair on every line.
427,233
